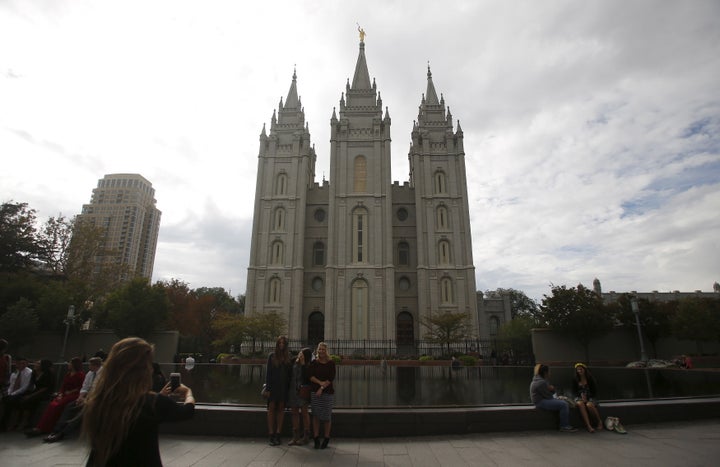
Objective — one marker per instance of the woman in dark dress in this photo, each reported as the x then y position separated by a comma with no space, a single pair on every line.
122,414
277,380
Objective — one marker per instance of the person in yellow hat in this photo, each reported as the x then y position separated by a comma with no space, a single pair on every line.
585,390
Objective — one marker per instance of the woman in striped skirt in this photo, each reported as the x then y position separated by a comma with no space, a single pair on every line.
322,397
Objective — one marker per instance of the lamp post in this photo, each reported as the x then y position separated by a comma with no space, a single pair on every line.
636,311
68,321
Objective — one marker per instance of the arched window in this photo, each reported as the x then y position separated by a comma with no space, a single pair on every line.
281,184
279,220
403,254
494,325
444,252
316,328
318,254
277,253
440,184
446,291
359,309
442,218
359,233
360,175
274,291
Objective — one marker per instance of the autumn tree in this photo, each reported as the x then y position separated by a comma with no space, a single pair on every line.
447,328
520,304
577,313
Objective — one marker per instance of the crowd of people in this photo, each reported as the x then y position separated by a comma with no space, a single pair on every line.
119,401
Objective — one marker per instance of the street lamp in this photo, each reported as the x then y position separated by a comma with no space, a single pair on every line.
636,311
68,321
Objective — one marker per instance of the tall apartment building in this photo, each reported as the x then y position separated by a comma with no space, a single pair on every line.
124,205
361,257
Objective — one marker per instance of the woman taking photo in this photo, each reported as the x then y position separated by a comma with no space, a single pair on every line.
277,379
585,390
121,414
322,397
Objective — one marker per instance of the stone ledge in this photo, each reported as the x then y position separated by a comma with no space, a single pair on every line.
251,421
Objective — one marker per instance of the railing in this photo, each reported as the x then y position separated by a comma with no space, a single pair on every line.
502,351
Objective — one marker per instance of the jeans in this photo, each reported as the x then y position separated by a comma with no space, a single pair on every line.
556,405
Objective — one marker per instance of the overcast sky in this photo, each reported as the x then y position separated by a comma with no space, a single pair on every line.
592,128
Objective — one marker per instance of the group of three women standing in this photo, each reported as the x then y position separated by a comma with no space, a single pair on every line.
298,384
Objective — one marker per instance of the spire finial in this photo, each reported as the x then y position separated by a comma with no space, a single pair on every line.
429,72
361,31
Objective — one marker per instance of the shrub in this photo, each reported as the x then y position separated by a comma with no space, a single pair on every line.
426,358
335,358
468,360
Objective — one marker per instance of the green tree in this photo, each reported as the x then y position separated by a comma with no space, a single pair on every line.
20,321
655,317
18,242
520,304
54,242
135,309
577,313
698,319
447,328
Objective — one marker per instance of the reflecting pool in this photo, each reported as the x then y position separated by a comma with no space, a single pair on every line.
365,386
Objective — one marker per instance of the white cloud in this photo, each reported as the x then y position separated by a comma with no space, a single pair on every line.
591,129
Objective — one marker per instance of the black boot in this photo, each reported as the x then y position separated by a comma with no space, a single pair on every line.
317,442
324,443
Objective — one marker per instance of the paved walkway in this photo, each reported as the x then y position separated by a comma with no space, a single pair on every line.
678,444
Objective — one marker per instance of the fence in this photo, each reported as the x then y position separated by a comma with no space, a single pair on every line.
502,351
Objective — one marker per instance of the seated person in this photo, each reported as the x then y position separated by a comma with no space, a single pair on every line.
69,391
20,383
585,390
70,419
541,394
44,379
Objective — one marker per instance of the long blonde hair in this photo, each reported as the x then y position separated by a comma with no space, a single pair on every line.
117,397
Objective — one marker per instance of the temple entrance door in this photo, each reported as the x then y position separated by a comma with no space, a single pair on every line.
316,328
405,326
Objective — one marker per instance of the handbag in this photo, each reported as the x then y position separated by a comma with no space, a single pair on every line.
304,392
264,392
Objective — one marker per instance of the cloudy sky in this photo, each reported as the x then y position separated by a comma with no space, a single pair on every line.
592,128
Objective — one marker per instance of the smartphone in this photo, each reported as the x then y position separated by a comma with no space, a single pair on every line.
174,381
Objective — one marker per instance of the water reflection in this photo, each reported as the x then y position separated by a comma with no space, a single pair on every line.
433,386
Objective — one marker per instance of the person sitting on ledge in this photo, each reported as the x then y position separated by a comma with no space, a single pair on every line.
541,395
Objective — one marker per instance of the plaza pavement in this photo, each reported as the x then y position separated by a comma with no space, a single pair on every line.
663,444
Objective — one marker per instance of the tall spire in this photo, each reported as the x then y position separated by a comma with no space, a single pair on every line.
431,96
361,79
292,101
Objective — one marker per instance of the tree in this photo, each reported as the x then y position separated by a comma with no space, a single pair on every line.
520,304
19,321
447,328
18,243
578,313
135,309
223,300
655,317
54,241
698,319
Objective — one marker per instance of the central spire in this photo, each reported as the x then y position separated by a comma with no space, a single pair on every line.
361,79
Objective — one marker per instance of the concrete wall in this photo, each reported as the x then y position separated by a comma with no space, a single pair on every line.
618,347
86,343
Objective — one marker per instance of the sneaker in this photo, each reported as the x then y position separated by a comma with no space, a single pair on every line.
568,429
